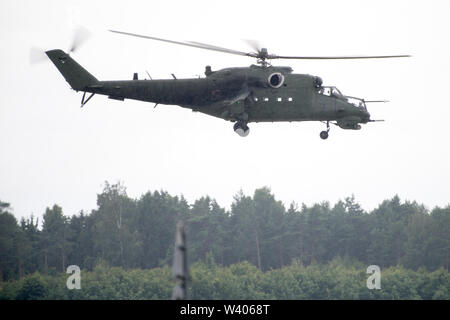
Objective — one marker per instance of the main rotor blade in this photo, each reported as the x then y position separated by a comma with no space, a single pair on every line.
81,35
254,44
221,49
338,57
186,43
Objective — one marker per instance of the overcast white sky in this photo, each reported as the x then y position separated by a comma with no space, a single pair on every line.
54,152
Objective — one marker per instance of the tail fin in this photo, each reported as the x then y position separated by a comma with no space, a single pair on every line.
75,75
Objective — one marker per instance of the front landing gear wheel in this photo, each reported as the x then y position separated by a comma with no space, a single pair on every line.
241,129
324,135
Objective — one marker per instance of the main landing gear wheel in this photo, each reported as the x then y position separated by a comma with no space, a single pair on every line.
324,134
241,128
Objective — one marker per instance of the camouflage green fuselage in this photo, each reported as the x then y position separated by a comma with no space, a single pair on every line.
247,94
231,92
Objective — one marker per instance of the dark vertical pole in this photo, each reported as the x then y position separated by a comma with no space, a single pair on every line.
180,268
258,252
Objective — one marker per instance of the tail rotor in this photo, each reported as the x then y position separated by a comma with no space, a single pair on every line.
80,36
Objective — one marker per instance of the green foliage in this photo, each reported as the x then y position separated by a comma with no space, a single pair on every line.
10,289
257,249
54,236
339,279
33,288
8,239
157,215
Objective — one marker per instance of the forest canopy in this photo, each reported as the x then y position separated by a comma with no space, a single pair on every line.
257,232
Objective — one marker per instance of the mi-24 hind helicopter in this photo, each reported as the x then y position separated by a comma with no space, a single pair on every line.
259,93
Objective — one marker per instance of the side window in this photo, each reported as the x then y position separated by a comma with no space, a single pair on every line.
336,92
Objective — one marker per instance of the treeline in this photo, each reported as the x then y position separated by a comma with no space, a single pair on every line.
339,279
139,234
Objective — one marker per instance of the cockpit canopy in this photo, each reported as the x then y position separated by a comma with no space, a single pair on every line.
330,91
334,92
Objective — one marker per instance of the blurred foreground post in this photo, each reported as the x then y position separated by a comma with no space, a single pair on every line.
180,268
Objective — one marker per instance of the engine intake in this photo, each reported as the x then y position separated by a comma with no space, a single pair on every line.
275,80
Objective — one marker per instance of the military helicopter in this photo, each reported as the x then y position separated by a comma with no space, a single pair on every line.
259,93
